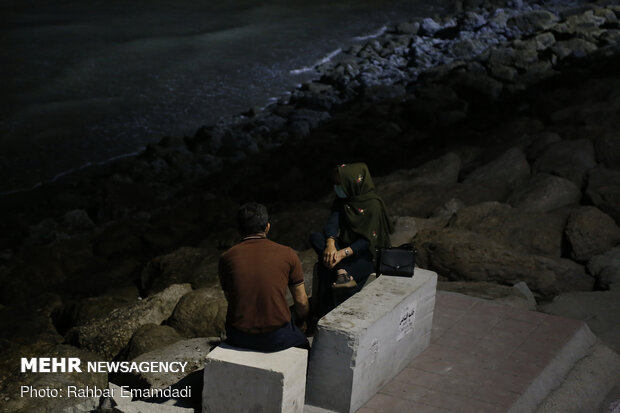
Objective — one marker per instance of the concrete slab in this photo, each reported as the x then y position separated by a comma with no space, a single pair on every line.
487,357
240,380
369,339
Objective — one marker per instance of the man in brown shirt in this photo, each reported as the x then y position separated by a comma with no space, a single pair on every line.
255,274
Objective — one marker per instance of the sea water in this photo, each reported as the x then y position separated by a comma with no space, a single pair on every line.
85,81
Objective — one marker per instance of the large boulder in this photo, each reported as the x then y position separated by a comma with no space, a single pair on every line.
192,351
200,313
526,232
405,229
83,311
495,180
419,191
606,267
600,309
197,266
442,171
109,335
591,232
293,226
11,400
539,144
603,190
509,295
608,149
150,337
467,256
544,192
568,159
26,331
533,21
120,404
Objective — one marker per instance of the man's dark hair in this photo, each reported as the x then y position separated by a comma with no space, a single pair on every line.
252,218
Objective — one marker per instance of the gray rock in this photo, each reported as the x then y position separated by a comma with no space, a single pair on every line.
411,28
568,159
603,189
534,21
591,232
192,351
526,292
119,240
525,232
430,26
540,143
465,255
503,72
511,166
12,402
448,208
109,335
600,309
378,93
27,330
489,291
584,25
150,337
606,268
573,48
475,83
443,171
544,41
126,405
418,191
292,227
200,313
607,149
544,192
495,180
311,117
405,229
473,20
197,266
465,48
83,311
78,220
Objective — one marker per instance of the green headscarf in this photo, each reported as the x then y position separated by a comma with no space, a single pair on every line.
364,212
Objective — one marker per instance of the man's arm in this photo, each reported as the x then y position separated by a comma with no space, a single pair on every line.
300,300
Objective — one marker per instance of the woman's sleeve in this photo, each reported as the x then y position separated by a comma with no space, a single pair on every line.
333,225
359,244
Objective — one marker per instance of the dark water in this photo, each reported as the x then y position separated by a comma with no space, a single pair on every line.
85,81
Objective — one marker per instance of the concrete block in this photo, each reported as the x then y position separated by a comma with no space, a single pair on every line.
241,380
369,339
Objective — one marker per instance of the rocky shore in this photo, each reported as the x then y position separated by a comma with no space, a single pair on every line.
493,137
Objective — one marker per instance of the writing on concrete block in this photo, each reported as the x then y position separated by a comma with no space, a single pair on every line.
407,318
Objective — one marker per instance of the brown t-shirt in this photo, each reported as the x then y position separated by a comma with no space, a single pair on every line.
255,275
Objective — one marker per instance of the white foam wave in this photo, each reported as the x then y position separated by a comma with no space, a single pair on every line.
371,35
72,170
324,60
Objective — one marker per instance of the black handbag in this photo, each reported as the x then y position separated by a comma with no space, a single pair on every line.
396,261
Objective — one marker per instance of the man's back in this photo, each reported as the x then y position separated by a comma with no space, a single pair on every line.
255,275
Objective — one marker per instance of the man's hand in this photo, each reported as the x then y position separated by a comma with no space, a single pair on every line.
300,301
303,327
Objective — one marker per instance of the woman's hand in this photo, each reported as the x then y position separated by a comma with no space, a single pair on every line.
337,257
329,255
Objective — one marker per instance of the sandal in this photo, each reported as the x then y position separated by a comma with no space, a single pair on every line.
344,280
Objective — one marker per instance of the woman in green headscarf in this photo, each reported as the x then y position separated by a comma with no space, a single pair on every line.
357,228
